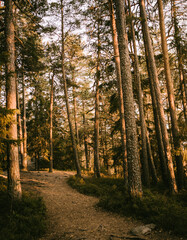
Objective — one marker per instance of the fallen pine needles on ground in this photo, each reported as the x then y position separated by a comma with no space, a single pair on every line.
167,212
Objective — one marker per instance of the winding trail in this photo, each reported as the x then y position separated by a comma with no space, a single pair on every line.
72,215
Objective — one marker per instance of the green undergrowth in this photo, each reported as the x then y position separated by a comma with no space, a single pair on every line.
22,220
167,212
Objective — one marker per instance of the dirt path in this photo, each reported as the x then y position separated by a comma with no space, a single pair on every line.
73,216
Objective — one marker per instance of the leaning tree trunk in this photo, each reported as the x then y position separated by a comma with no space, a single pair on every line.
120,91
170,91
14,185
134,176
156,89
141,108
77,164
51,124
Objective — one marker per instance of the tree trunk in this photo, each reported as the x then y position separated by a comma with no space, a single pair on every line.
0,85
180,59
151,161
24,163
120,91
75,110
77,164
14,185
156,89
141,107
51,124
134,176
96,124
36,121
161,152
85,139
170,91
20,133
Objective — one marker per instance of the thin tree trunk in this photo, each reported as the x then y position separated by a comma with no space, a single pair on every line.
24,163
51,124
141,108
36,121
151,161
1,86
85,138
77,164
120,91
180,59
156,89
172,109
20,133
96,124
134,176
75,110
14,185
161,152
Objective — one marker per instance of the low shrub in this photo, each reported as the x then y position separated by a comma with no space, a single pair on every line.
167,212
21,220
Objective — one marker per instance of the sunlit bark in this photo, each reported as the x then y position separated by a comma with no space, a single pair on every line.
14,185
156,89
141,109
170,91
51,124
134,177
24,163
120,91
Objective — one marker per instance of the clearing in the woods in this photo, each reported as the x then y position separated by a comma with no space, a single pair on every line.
72,215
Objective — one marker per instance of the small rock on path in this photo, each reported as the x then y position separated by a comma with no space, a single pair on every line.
72,215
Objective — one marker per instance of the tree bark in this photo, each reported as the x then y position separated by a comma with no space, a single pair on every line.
96,123
20,133
161,152
75,109
172,109
119,86
14,185
77,164
134,176
180,59
24,163
85,139
141,108
51,124
156,89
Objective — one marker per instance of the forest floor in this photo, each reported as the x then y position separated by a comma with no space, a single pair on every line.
72,215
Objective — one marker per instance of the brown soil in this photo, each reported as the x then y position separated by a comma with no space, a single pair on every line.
74,216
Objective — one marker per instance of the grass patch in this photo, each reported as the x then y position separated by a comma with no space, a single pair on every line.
24,220
167,212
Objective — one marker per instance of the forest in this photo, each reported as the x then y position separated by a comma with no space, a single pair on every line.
98,88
